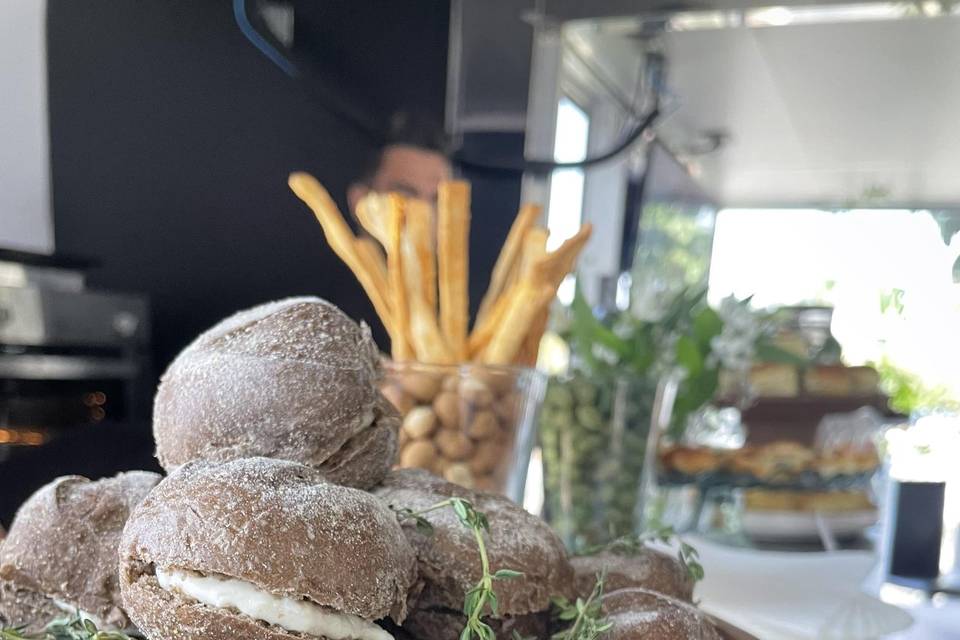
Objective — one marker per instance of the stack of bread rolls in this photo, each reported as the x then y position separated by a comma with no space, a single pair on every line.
279,517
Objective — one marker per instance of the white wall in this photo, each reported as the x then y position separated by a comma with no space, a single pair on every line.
25,217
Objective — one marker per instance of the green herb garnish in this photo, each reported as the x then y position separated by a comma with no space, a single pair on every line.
481,597
586,615
74,628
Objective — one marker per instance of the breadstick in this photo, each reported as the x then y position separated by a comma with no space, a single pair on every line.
534,251
370,255
530,348
507,259
525,304
482,334
372,212
341,240
453,229
419,231
555,266
400,350
428,342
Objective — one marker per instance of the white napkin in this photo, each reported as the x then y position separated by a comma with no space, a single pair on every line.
794,596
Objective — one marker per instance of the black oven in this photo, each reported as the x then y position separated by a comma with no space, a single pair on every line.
75,377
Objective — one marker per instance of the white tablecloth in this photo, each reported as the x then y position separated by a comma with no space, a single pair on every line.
811,596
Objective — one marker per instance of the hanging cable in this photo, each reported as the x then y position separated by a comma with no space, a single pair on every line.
259,41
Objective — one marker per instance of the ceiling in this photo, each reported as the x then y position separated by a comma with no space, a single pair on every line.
821,114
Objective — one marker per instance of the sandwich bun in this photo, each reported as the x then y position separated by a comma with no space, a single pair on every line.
449,563
294,380
61,553
648,569
275,532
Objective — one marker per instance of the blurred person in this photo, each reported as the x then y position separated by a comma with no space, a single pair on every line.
412,161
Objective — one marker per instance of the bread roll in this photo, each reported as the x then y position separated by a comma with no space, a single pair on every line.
61,553
639,613
295,380
647,569
450,564
263,549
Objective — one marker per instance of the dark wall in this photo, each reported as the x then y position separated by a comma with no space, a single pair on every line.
172,137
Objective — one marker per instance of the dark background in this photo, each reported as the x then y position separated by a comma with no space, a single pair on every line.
171,140
172,137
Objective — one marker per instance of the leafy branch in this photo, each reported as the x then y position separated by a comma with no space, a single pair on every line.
633,544
481,596
586,615
75,628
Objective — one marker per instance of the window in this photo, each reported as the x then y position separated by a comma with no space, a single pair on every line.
565,207
890,275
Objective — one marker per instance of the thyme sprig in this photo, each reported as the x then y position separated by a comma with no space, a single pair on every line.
588,622
74,628
481,596
633,544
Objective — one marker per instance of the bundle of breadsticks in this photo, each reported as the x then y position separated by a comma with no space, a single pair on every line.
418,283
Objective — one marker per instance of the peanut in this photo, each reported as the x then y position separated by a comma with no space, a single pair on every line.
486,457
420,385
420,422
484,425
453,444
418,453
447,407
475,392
459,473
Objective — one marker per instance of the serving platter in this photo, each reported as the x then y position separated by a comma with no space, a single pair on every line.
803,526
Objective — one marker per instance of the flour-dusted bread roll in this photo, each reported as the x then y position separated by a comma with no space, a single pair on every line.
640,613
61,553
263,549
646,568
450,564
295,380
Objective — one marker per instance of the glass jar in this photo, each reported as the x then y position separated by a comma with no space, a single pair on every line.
472,424
594,433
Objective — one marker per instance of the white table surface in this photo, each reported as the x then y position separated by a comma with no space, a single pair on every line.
779,595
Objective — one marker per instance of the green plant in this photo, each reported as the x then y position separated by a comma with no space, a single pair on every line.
481,596
75,628
908,393
585,616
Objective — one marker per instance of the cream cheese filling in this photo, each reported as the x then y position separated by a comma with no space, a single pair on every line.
290,613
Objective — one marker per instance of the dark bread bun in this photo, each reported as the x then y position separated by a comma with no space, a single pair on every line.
295,380
647,569
63,546
25,608
448,559
276,524
446,624
639,613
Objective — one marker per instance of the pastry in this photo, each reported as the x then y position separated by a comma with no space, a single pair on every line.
808,501
263,549
692,461
639,613
647,568
61,553
450,564
295,380
834,381
773,461
773,380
